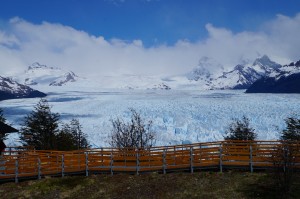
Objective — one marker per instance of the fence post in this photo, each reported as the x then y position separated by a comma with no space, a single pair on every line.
174,155
17,171
220,156
86,164
39,168
251,159
111,163
62,165
191,160
164,161
102,156
137,163
200,154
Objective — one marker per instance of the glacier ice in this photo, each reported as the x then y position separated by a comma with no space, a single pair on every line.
178,116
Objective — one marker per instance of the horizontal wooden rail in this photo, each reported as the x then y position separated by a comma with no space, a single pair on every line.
16,163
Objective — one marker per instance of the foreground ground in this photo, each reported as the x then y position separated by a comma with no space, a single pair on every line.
153,185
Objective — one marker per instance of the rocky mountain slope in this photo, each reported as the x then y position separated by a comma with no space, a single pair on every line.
240,77
284,80
10,89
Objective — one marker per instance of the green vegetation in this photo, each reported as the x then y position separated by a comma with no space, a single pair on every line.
240,130
172,185
2,119
292,131
40,130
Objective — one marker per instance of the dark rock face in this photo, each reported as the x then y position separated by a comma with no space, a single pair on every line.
10,89
284,84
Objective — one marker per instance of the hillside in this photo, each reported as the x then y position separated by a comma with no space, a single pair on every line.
10,89
153,185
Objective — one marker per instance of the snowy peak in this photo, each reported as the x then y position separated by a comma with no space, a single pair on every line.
264,65
204,70
68,77
10,89
286,70
39,74
37,65
240,77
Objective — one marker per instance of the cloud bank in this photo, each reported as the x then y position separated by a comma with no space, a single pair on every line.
22,43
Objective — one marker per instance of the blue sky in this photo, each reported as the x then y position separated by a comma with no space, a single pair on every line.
157,26
156,21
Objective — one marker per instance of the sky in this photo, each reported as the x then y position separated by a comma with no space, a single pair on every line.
147,37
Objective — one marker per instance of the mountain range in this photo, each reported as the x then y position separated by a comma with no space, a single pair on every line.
286,79
242,76
261,75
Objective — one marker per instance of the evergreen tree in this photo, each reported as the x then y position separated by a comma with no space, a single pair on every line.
40,127
71,137
285,156
79,136
292,132
65,139
240,130
2,119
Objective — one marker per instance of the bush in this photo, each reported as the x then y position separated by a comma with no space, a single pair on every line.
135,134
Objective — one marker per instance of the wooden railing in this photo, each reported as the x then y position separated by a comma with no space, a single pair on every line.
18,164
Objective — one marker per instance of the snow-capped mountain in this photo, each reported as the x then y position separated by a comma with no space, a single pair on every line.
240,77
10,89
209,74
286,79
38,74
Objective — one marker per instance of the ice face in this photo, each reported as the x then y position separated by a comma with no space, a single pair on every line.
178,116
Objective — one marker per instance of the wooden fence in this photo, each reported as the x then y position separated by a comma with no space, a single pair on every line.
22,163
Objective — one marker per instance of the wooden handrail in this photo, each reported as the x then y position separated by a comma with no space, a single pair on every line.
251,155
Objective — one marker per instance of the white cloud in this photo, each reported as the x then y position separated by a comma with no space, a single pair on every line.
23,43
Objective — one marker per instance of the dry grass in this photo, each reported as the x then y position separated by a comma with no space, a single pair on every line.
152,185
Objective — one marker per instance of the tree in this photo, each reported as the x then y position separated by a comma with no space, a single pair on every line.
135,134
2,119
40,127
240,130
292,131
65,139
80,137
285,156
71,137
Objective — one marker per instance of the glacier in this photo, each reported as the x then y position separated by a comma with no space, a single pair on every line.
179,116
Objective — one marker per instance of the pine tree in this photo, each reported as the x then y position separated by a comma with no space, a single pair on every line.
79,136
71,137
240,130
40,127
2,118
292,132
65,139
